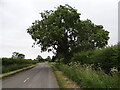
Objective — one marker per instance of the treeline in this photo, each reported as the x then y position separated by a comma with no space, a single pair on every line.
11,61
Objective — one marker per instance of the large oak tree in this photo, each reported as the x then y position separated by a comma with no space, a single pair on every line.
63,32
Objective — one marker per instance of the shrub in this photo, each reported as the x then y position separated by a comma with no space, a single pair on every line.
11,61
59,60
83,57
106,58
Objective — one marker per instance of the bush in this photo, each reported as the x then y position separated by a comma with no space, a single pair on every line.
11,61
83,57
59,60
107,58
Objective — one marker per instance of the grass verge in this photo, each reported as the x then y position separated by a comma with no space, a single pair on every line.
10,68
63,81
88,78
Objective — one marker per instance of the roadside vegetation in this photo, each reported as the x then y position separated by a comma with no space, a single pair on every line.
86,77
93,69
10,64
105,58
63,81
79,46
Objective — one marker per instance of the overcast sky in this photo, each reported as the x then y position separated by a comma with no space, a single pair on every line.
17,15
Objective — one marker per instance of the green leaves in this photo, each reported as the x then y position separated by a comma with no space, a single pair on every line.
107,58
63,30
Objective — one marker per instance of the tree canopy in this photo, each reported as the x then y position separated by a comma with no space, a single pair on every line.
39,57
63,32
18,55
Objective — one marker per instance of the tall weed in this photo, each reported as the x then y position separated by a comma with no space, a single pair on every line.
86,77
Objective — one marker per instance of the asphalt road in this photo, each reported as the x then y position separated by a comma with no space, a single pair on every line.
40,76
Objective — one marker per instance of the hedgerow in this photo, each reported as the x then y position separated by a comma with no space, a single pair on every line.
10,64
106,58
11,61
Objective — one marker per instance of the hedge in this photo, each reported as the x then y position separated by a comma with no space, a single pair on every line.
11,61
106,58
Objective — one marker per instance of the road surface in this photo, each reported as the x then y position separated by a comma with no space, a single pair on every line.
40,76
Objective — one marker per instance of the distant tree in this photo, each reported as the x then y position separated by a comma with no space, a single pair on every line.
39,58
48,58
22,56
18,55
62,32
15,55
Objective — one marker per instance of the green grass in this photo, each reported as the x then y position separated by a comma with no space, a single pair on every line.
63,81
58,77
9,68
88,78
22,69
